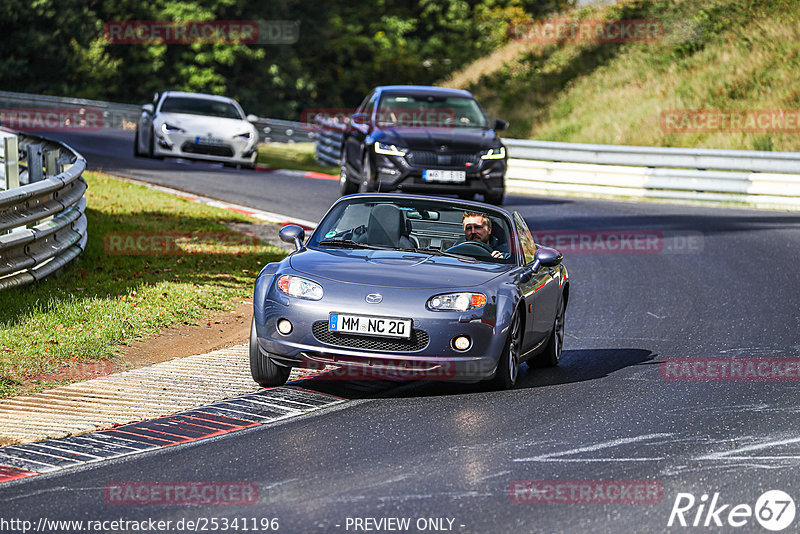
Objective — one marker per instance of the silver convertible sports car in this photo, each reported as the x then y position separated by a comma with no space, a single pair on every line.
426,288
196,126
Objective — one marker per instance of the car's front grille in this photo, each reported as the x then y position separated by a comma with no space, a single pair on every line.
208,150
418,340
432,159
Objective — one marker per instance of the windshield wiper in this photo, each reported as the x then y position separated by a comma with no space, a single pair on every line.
349,243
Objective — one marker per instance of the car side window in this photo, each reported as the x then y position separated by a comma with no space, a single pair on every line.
525,239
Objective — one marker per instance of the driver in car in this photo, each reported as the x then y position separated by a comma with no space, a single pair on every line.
478,227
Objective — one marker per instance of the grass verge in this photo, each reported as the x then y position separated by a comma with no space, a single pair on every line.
105,299
295,156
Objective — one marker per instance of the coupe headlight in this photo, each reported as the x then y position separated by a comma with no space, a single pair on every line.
456,301
294,286
494,153
389,150
170,129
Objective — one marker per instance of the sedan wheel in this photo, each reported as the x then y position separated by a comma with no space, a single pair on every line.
346,187
508,367
366,185
264,371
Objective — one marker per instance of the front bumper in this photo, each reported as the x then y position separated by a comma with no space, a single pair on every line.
405,173
429,354
233,150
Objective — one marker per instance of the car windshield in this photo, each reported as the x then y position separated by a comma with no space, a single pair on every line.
200,106
415,226
429,111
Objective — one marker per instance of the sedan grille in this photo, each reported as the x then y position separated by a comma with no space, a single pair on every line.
431,159
418,340
209,150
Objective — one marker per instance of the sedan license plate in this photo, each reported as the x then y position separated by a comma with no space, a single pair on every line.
369,325
434,175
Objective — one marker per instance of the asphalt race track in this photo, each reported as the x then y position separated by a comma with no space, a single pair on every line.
661,295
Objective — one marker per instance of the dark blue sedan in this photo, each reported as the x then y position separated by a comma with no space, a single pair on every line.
419,287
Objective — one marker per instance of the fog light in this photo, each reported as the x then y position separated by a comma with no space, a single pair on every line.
284,326
461,342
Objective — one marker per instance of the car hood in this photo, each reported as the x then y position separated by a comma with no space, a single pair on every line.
467,139
391,268
202,125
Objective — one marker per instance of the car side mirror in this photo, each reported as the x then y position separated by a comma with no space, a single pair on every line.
292,233
252,118
500,125
546,257
148,108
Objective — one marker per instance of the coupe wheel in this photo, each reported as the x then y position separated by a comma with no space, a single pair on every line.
552,352
346,187
136,152
265,372
508,367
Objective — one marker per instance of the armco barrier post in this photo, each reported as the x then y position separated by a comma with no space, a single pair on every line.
35,163
11,161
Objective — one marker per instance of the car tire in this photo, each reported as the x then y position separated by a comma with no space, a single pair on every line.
505,376
264,371
136,152
151,148
555,345
346,187
365,185
496,199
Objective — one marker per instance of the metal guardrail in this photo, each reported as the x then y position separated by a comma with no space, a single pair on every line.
761,179
42,222
124,116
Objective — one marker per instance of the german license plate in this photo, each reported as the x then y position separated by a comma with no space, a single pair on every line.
369,325
434,175
209,140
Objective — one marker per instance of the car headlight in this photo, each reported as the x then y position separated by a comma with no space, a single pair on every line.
389,150
294,286
170,129
494,153
457,301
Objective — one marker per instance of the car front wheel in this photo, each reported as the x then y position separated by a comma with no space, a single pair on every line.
555,345
508,367
346,187
265,372
365,186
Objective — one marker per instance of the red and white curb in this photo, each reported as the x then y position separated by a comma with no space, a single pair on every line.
246,411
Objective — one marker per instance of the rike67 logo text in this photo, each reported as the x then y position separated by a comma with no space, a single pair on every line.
774,510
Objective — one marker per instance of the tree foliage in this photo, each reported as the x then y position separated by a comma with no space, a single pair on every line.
345,48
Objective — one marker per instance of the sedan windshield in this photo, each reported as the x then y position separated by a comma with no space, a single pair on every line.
200,106
429,111
435,228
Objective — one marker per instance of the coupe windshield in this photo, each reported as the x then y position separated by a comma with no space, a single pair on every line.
416,226
428,111
199,106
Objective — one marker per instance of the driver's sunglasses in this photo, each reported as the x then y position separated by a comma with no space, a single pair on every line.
473,227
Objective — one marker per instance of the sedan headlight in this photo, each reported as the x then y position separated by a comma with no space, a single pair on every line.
494,153
170,129
294,286
456,301
389,150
